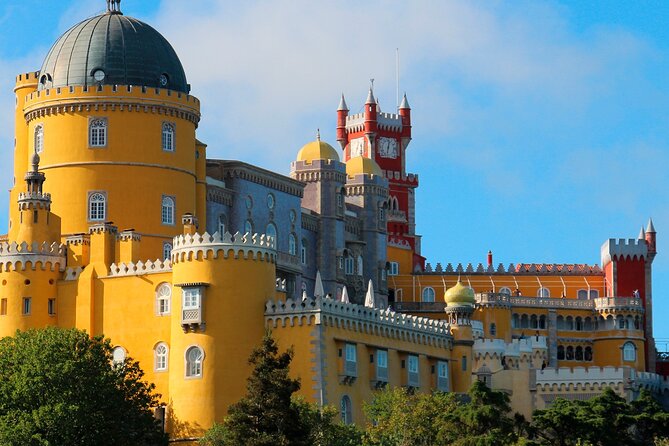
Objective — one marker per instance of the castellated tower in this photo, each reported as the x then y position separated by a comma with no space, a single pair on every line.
110,116
225,281
32,263
367,195
627,265
318,166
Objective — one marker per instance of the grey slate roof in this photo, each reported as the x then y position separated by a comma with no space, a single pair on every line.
129,52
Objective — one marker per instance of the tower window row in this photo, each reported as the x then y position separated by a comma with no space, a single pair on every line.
193,359
27,306
97,208
98,133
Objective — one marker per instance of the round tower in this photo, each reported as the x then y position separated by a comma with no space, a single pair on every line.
110,115
460,303
225,282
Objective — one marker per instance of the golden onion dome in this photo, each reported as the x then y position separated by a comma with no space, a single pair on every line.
317,150
459,294
362,165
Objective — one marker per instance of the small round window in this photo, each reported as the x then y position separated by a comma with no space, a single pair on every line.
293,216
164,80
99,75
249,202
270,201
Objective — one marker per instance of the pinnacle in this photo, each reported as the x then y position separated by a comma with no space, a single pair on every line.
650,227
342,104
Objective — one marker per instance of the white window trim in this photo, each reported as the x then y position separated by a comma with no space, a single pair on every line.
161,297
382,354
631,350
167,246
105,136
26,310
188,302
186,375
412,363
155,357
394,269
171,221
105,207
351,353
543,292
119,348
428,289
38,145
173,133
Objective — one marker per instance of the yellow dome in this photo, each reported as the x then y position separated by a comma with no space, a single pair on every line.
317,150
459,294
360,165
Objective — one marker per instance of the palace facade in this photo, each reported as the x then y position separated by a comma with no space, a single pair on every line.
120,225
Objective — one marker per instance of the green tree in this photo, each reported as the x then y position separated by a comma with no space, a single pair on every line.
59,387
651,421
269,414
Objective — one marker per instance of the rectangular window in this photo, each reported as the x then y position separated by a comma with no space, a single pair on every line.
51,307
97,132
382,365
464,363
191,311
303,254
442,376
412,369
191,298
394,269
340,262
350,264
27,305
351,359
3,307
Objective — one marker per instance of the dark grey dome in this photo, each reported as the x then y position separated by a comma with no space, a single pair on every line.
113,49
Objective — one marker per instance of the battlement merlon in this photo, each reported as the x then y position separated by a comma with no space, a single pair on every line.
187,247
14,254
623,248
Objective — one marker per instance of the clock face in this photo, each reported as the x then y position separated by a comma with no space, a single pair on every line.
388,148
99,75
163,80
357,147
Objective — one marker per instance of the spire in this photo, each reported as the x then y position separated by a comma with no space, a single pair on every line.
642,234
650,227
370,97
318,134
344,296
342,104
34,178
114,7
318,290
405,103
369,297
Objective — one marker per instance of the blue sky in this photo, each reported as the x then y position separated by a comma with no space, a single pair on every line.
541,128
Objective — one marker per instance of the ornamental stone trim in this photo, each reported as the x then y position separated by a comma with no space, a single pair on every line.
353,317
140,268
518,269
14,256
255,246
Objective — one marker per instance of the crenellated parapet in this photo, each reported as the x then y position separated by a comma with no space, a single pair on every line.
593,378
15,256
247,246
125,98
373,321
498,348
619,249
140,268
519,269
607,305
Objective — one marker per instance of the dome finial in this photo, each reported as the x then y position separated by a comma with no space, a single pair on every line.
318,134
114,6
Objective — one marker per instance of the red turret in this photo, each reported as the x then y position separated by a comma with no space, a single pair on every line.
370,115
650,239
342,113
489,259
405,113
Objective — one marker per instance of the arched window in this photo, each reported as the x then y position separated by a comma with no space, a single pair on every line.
578,323
629,352
620,322
524,321
579,353
543,292
594,294
505,290
303,252
39,138
569,323
582,294
560,352
587,355
542,322
97,132
271,232
292,244
97,207
569,356
587,324
515,321
163,299
560,323
118,355
248,227
222,221
534,321
167,251
493,329
168,137
346,410
168,211
349,264
359,265
428,294
194,356
160,357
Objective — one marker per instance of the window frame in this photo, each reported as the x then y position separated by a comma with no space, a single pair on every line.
161,360
543,292
51,306
115,359
394,269
167,251
303,252
346,409
26,306
90,202
101,125
428,289
3,306
38,138
163,300
629,352
168,136
168,207
194,366
292,244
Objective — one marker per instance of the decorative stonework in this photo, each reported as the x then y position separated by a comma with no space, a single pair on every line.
188,247
385,323
16,257
519,269
140,268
